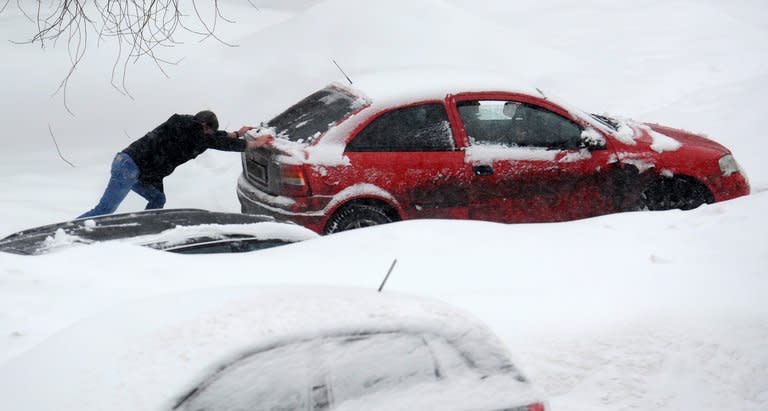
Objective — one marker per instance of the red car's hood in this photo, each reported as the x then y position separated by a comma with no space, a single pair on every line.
688,139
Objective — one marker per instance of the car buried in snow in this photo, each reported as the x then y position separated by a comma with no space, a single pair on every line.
278,348
392,149
183,231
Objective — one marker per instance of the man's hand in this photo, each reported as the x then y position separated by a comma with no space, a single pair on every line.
243,130
260,141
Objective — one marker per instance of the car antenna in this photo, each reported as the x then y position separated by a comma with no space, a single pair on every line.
542,93
391,267
342,71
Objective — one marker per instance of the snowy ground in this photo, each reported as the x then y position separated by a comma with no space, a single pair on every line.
633,311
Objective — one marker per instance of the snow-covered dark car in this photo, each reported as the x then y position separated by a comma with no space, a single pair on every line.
188,231
395,147
307,348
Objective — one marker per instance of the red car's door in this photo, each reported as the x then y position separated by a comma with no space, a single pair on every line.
529,161
410,153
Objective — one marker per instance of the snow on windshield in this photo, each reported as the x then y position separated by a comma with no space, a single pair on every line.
314,115
184,234
625,133
263,231
495,393
61,239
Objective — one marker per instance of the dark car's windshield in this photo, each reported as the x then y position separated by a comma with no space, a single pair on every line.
313,116
233,244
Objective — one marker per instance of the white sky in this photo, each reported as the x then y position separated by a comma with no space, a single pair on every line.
635,311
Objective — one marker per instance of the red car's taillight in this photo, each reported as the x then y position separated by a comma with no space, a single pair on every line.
537,406
293,181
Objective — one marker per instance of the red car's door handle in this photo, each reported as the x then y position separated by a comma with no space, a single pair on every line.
483,170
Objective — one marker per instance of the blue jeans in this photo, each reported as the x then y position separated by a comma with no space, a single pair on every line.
124,178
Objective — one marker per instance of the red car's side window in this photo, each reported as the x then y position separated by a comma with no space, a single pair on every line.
516,124
415,128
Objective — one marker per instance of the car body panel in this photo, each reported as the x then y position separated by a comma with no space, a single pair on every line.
520,185
504,183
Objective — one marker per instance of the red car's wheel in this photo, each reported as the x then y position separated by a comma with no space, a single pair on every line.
356,216
675,193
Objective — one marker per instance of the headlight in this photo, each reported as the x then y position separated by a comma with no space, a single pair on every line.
728,165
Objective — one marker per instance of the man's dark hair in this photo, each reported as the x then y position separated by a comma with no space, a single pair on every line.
208,118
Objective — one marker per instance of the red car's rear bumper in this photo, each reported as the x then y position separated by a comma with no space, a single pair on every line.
255,201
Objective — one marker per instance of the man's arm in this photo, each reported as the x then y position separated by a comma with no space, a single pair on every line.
241,132
260,141
256,141
221,141
230,141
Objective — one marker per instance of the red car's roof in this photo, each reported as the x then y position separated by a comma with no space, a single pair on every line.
404,86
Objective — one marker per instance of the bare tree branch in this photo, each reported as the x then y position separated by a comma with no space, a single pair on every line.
24,12
50,130
141,29
210,30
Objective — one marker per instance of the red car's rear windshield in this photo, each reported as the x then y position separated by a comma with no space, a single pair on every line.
313,116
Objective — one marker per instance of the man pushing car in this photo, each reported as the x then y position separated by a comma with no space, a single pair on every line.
142,166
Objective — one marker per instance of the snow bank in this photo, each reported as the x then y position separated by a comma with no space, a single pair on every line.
165,347
636,311
602,313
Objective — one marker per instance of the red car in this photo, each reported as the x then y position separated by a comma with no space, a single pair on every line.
348,157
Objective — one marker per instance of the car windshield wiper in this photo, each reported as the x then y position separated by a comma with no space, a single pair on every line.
606,121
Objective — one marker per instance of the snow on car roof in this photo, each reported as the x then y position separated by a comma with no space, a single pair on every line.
405,86
394,87
147,355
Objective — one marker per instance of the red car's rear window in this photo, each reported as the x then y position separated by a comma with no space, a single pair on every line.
308,119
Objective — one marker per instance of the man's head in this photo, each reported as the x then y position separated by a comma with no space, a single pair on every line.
208,120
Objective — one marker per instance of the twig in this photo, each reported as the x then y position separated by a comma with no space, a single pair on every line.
141,29
391,267
50,130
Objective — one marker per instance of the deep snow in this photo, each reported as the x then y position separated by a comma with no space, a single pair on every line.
181,342
633,311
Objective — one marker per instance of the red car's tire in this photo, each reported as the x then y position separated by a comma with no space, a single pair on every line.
356,216
675,193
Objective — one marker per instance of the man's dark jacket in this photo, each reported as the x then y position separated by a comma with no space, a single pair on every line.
173,143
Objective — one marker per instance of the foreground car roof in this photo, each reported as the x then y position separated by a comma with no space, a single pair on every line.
157,228
149,354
